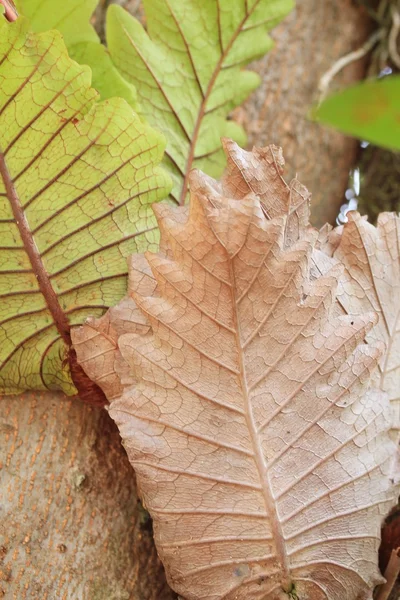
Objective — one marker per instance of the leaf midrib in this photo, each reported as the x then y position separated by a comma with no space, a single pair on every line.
87,390
262,468
45,286
206,97
392,336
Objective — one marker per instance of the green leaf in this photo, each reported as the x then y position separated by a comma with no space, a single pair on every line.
188,72
369,111
72,19
77,179
105,77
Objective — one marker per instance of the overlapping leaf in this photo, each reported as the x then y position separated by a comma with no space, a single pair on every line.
77,180
371,280
188,71
240,395
72,19
371,256
368,110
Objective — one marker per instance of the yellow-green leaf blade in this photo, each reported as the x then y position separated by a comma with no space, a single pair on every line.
188,71
72,19
105,77
78,178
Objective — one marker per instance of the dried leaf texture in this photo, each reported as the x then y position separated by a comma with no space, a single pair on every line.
243,410
260,172
371,257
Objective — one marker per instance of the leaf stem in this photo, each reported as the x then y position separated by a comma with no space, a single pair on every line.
340,64
391,573
206,97
38,268
393,37
10,10
88,391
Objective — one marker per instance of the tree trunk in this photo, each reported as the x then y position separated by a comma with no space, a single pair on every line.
307,43
71,526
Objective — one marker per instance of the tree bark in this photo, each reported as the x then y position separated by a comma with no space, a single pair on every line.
307,43
71,526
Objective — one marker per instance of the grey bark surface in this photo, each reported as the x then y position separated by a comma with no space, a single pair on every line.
71,526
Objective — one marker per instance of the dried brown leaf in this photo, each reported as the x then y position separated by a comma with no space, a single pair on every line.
371,281
261,172
240,395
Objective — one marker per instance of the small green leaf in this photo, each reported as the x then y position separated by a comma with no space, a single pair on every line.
72,19
369,111
77,179
188,71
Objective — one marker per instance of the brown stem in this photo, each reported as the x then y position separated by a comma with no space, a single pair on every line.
10,10
391,573
202,110
88,391
59,317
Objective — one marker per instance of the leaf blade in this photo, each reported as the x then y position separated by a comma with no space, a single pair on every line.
72,19
371,259
198,47
77,181
242,402
368,110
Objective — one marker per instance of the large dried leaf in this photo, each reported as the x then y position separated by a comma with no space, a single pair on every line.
77,179
241,400
188,71
371,257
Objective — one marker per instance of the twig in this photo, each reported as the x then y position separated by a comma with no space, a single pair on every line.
393,37
10,10
382,8
391,574
326,79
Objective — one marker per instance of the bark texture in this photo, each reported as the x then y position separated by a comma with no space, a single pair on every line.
307,43
380,170
71,526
